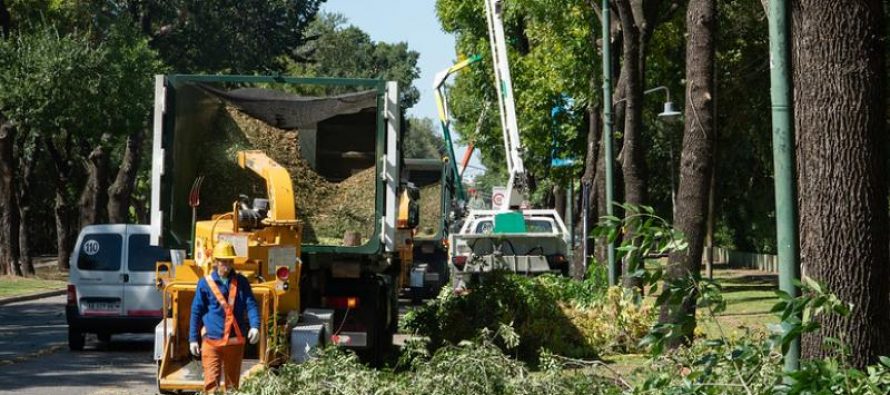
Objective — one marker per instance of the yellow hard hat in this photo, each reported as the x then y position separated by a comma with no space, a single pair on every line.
224,250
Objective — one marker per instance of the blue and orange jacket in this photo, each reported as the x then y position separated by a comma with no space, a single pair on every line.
207,312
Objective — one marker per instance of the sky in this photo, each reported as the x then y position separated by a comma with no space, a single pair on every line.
414,22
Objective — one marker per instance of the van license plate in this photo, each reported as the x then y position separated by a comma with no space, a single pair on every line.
103,306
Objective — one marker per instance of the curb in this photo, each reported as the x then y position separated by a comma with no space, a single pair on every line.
25,298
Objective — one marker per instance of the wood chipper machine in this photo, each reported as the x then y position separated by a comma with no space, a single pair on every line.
266,236
341,141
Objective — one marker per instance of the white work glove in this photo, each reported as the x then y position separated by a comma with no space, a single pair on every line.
195,348
253,335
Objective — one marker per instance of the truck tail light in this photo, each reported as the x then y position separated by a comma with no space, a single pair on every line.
342,302
72,294
282,273
556,259
459,261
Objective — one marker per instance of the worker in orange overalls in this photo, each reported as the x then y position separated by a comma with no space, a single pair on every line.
218,319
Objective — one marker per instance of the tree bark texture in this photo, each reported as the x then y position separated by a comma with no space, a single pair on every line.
633,153
29,163
592,173
839,106
94,197
695,162
9,214
120,191
62,209
559,200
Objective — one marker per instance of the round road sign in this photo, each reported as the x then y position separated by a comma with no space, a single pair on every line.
497,199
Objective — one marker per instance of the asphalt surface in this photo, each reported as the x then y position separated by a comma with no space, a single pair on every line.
35,360
34,355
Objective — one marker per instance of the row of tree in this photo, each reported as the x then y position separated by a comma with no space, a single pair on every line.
719,167
77,87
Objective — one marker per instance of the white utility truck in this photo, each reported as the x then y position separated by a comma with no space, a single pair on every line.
511,236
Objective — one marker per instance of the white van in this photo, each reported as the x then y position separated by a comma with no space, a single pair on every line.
112,283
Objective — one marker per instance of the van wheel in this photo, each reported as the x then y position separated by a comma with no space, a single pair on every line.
104,337
76,339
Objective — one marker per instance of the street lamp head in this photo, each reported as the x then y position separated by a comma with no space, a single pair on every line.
669,111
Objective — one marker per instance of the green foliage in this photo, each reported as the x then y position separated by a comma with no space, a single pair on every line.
747,365
421,140
652,236
192,36
493,176
347,51
469,368
830,376
567,317
500,298
66,83
550,53
224,36
752,364
714,367
797,314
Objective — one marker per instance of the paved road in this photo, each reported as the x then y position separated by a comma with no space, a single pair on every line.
35,360
34,357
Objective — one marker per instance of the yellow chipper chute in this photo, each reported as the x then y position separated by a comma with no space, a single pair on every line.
267,241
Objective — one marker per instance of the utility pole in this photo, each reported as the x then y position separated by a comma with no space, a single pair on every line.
783,162
607,133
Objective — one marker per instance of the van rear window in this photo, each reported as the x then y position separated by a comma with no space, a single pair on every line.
142,255
101,251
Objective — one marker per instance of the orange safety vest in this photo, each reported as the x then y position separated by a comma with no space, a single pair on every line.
229,308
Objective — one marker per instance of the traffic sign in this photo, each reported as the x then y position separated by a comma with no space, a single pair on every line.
498,194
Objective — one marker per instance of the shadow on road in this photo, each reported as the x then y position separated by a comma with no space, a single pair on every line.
27,328
123,363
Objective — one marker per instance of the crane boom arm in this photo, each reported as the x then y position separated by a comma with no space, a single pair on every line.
445,116
515,194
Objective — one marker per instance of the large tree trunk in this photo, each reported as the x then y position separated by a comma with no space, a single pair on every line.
120,191
9,214
591,165
62,209
24,200
559,200
25,257
141,208
94,197
598,206
695,162
838,69
633,153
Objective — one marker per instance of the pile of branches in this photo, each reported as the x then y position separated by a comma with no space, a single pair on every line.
575,319
476,367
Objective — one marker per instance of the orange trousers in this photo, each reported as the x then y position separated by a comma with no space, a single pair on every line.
221,359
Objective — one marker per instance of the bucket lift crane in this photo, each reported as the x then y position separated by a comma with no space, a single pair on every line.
517,185
445,119
509,237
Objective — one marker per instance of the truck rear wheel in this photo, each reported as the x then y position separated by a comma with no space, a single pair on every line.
76,339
